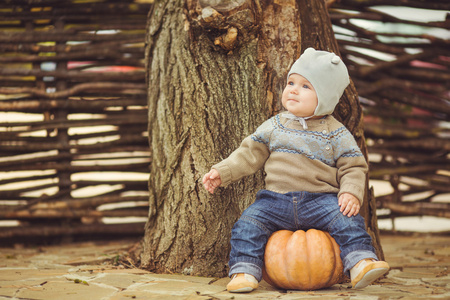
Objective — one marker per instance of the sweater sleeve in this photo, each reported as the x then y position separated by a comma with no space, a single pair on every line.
352,166
248,158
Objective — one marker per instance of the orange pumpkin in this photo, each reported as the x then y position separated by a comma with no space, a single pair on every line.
302,260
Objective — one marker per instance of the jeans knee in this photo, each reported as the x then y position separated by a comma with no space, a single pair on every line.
252,224
349,231
341,222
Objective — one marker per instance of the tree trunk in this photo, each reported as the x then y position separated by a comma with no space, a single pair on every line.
214,75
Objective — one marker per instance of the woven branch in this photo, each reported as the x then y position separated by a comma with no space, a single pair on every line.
130,88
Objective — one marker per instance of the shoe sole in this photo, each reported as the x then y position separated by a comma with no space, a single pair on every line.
370,277
242,290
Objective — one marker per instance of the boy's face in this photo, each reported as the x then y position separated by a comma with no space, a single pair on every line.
299,96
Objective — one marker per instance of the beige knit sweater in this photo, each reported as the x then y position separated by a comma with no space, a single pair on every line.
321,159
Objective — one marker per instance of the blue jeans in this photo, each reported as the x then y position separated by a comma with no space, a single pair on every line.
294,211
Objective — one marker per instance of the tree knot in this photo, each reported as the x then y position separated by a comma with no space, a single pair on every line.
227,23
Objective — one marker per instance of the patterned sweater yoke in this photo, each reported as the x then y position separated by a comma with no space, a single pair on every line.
314,144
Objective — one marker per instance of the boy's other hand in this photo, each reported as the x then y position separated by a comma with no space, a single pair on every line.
349,204
211,180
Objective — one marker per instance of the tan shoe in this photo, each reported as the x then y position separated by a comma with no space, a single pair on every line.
242,283
367,271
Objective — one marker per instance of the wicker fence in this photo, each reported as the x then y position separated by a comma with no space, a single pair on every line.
73,130
399,61
73,133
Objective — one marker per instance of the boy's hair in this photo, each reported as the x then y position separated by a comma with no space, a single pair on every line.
327,74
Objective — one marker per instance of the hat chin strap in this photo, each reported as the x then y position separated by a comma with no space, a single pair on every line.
293,117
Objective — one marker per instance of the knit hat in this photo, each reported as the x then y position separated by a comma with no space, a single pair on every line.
327,74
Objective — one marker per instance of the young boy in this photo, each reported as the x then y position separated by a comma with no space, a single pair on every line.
315,176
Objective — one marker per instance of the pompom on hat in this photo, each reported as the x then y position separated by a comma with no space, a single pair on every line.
327,74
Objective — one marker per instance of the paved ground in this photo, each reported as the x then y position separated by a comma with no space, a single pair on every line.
420,270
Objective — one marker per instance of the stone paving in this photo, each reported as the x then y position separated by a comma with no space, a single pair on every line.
420,269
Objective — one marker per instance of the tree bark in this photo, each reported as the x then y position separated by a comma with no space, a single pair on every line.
214,75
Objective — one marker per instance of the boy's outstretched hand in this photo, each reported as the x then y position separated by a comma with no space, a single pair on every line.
211,180
349,204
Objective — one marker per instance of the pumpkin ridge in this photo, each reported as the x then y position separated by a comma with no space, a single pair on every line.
299,238
276,256
331,260
318,249
339,266
310,252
